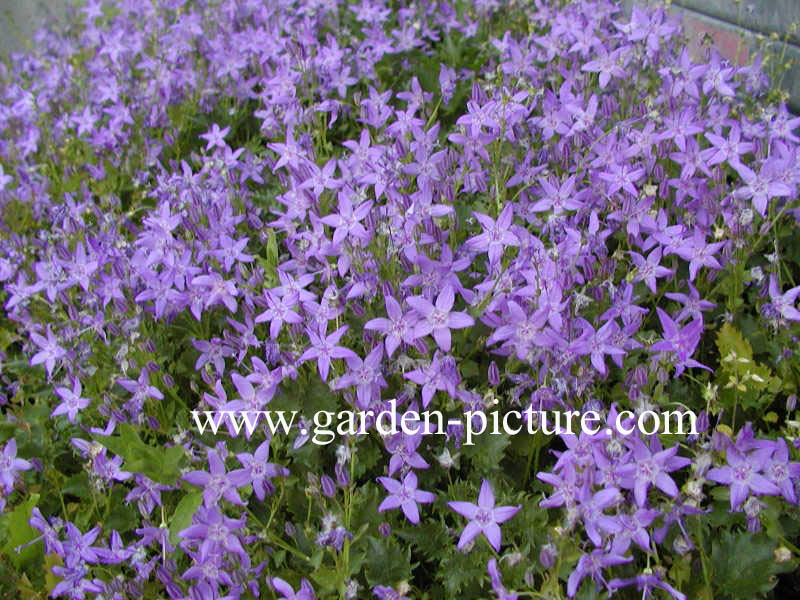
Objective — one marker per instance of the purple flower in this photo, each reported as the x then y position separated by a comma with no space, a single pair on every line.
405,496
366,376
743,475
78,545
213,352
650,468
646,583
693,305
760,187
438,319
110,470
397,328
622,177
332,537
147,493
649,269
260,471
384,592
497,583
681,341
784,303
6,179
484,517
403,447
593,564
699,253
324,348
117,552
215,137
592,506
496,234
50,351
217,290
213,532
48,530
279,311
217,482
72,402
566,484
726,148
633,527
783,473
9,465
447,82
607,65
347,222
304,592
433,377
141,388
597,343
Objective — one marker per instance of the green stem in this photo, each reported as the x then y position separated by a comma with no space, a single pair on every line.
703,556
275,539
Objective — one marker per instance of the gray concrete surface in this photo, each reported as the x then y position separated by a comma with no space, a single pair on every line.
763,16
20,19
738,28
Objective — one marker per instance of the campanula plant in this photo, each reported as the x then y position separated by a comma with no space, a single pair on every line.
304,221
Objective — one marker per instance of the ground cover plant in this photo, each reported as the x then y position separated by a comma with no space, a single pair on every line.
322,206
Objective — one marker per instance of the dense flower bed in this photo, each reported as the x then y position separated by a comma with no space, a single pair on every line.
323,206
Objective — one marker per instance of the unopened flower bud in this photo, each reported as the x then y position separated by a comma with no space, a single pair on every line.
702,422
494,374
421,346
640,376
328,486
342,474
548,555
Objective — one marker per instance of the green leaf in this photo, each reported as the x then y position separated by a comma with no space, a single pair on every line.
171,467
461,574
729,340
182,517
77,485
155,463
326,578
744,564
488,449
386,563
20,533
739,378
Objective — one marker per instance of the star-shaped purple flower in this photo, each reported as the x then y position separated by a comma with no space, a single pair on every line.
496,234
405,496
438,319
484,517
324,348
743,475
71,403
651,468
9,465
